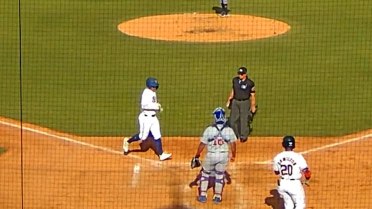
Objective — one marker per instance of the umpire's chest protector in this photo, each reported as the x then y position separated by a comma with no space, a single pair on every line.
242,88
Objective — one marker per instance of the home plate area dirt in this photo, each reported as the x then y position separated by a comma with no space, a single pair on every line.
47,169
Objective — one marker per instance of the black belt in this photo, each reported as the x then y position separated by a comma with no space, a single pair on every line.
242,99
150,115
290,179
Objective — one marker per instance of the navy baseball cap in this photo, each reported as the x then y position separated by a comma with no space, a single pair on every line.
242,70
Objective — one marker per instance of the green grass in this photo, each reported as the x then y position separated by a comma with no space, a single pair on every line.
2,150
81,75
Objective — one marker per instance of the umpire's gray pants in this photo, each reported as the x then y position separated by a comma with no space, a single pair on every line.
240,111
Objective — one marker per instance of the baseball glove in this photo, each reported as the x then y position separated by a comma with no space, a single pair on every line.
195,162
252,114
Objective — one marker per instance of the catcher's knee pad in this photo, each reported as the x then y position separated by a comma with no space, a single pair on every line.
205,175
220,177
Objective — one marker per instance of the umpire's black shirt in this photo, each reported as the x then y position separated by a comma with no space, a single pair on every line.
242,89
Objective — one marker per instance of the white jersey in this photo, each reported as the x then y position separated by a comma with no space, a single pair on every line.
147,119
289,164
216,140
149,102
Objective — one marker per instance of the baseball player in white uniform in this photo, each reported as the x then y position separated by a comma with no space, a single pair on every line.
148,122
218,138
290,166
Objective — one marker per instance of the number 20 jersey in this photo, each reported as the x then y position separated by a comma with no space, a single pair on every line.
289,164
217,140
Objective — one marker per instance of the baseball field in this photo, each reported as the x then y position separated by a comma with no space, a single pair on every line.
72,73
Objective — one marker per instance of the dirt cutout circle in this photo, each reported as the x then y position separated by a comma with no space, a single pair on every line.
203,27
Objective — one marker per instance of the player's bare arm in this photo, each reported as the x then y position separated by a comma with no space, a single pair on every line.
253,102
233,151
200,149
231,96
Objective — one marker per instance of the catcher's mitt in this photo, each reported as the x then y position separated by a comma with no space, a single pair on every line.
195,162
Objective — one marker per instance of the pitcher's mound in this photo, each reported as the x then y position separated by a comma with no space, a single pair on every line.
203,27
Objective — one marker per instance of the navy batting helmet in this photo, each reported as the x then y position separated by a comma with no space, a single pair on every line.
152,83
289,142
219,115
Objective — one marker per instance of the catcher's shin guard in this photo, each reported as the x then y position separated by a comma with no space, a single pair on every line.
204,181
219,184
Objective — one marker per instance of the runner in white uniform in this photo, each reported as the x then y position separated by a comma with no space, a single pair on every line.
218,138
290,166
148,122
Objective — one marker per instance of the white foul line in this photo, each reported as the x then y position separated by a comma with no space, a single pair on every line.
323,147
158,163
63,138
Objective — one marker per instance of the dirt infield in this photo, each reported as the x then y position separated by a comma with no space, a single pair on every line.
65,171
203,27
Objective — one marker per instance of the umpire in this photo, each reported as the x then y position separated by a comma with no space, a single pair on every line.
242,102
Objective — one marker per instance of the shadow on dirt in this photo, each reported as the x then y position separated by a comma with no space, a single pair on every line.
176,207
218,10
275,201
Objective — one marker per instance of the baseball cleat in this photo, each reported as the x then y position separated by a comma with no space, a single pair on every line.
224,13
126,146
243,139
217,200
165,156
202,199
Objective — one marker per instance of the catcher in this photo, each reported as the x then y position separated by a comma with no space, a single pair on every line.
219,139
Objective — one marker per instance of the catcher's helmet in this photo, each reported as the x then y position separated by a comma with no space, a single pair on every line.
152,83
289,142
219,115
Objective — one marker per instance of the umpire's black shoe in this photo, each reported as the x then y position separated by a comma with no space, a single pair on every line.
242,140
